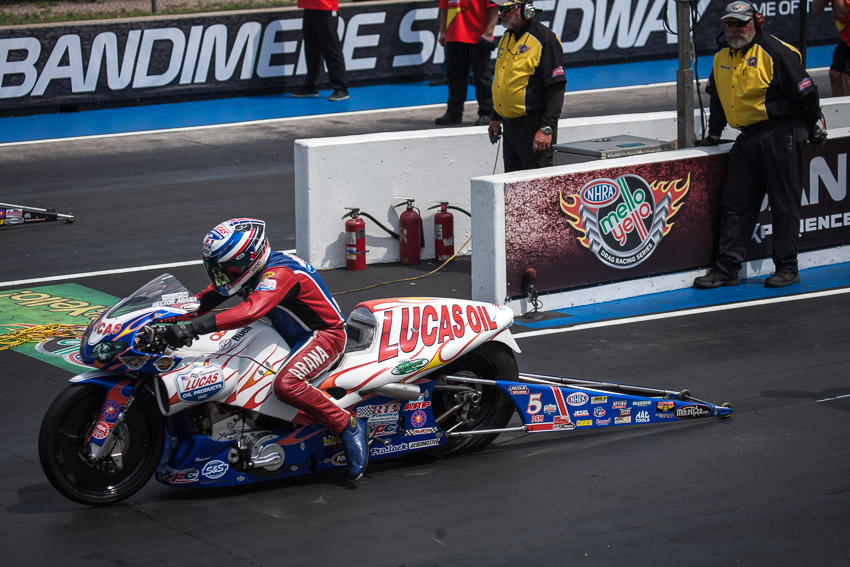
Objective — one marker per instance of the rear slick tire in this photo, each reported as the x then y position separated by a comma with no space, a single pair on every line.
62,447
490,361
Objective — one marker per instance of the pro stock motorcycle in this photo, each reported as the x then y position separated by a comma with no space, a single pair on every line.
426,374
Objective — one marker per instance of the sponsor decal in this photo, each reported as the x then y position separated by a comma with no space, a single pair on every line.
625,411
184,476
521,48
599,400
577,399
603,421
110,412
557,72
408,366
581,413
751,61
422,431
424,325
618,404
418,419
804,84
265,275
641,403
584,423
623,220
666,405
411,406
214,469
100,430
692,411
518,390
598,412
331,440
379,413
562,422
199,383
426,443
538,418
385,450
266,285
642,417
622,420
164,363
549,409
385,429
338,460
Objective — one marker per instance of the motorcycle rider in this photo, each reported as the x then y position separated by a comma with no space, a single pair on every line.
291,294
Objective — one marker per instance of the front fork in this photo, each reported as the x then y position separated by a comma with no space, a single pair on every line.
105,433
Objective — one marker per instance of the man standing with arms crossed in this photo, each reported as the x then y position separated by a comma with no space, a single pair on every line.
528,89
759,86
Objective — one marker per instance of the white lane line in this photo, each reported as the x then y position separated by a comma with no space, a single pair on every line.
683,313
835,398
100,273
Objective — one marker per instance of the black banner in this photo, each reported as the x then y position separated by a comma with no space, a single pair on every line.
241,52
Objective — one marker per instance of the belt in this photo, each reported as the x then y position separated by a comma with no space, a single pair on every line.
519,121
764,125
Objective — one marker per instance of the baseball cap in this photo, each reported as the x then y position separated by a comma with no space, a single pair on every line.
739,10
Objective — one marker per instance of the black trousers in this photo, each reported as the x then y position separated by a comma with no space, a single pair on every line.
460,57
518,143
767,161
321,41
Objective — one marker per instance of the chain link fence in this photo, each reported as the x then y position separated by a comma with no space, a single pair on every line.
32,12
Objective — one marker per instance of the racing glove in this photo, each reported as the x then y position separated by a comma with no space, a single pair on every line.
707,141
817,135
180,335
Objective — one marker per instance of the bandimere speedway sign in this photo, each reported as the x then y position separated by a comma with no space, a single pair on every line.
251,51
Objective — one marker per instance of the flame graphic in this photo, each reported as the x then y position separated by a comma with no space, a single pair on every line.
571,207
677,191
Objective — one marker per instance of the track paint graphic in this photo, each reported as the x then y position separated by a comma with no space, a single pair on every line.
69,304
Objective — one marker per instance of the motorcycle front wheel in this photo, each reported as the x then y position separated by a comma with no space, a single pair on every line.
463,407
63,449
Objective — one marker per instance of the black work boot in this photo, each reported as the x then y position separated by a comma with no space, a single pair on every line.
715,279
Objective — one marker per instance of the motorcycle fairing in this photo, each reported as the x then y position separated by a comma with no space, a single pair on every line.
198,460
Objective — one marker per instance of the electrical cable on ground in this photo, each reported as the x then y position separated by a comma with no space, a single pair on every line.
39,333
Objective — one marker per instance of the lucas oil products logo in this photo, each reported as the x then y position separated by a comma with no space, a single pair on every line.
623,220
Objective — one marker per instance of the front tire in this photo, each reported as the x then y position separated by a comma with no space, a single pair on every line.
62,447
489,409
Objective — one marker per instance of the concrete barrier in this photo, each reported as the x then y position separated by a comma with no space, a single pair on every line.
372,171
490,277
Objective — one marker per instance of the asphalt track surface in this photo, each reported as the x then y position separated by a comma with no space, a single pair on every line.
768,486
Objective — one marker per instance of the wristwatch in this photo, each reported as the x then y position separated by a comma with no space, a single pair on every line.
546,130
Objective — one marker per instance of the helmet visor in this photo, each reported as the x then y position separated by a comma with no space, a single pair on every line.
225,273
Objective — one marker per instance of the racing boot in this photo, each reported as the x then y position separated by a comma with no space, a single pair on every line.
356,443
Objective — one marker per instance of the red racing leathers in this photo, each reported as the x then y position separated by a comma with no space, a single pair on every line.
292,295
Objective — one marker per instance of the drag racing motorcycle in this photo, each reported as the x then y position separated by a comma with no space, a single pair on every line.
426,374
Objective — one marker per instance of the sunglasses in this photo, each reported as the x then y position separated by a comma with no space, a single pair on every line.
508,9
735,24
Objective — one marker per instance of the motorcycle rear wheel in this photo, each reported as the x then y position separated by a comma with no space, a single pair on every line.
491,361
62,447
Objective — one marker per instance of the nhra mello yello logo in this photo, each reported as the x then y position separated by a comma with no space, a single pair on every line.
622,220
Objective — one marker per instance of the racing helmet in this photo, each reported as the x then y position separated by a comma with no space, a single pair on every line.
234,251
526,6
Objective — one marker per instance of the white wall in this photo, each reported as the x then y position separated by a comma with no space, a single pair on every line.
371,171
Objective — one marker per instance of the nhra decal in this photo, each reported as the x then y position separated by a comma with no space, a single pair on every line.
623,220
426,325
199,383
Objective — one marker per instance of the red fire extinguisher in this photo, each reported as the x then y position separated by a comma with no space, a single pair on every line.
410,233
355,241
444,231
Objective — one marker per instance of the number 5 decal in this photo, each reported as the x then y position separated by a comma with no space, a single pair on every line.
534,404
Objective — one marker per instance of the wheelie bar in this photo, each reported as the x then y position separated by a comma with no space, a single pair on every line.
20,214
554,403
